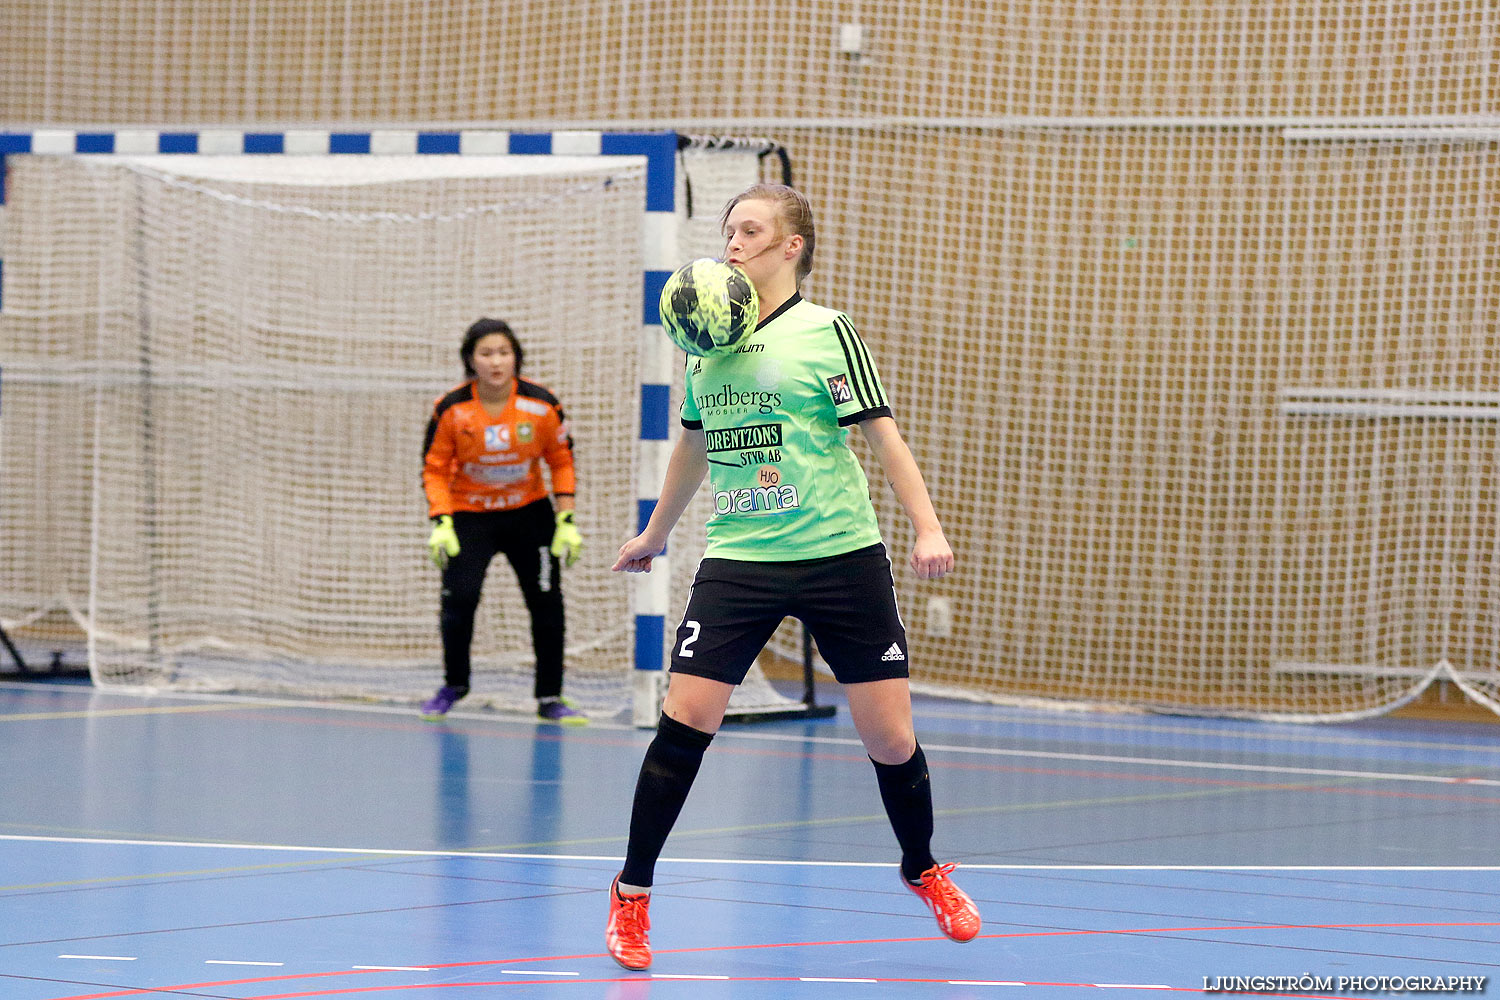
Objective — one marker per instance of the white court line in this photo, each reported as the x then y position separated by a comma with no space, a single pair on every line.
102,958
765,862
1041,718
815,979
225,961
1206,765
391,968
1067,717
533,972
1012,714
680,975
982,982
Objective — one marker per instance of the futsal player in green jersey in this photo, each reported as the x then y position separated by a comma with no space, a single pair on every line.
793,533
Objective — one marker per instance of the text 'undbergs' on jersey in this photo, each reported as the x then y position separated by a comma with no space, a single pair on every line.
775,414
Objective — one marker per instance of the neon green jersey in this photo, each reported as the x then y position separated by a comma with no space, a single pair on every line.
775,415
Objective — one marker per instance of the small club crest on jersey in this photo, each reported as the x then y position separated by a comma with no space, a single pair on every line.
496,437
525,431
838,387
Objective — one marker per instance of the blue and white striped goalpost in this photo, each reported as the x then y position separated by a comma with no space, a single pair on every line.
660,250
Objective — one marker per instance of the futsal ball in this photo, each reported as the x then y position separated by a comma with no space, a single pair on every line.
708,306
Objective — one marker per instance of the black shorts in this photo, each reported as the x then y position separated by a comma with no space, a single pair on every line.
847,602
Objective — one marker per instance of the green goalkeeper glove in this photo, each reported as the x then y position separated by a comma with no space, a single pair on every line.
566,541
443,542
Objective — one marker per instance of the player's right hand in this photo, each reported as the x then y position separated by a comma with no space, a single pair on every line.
931,556
443,542
636,555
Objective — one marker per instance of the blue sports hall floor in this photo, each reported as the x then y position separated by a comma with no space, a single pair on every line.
209,847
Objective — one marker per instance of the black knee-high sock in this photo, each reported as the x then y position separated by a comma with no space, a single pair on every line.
667,774
906,791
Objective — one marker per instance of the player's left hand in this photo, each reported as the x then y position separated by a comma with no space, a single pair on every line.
567,542
636,555
931,556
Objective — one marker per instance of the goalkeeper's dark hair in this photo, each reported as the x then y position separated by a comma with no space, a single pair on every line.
482,328
792,210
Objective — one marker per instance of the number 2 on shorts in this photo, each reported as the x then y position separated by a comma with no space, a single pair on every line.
686,649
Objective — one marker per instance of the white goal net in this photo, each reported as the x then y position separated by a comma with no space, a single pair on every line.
218,371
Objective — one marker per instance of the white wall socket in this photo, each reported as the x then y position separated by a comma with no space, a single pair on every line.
939,617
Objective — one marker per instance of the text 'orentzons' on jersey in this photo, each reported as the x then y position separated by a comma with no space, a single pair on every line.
775,414
474,460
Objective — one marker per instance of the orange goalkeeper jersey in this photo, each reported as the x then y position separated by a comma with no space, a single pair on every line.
474,460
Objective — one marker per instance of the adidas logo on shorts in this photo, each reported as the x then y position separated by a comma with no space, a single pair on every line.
894,653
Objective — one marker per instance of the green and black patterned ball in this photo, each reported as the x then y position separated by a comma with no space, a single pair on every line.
708,307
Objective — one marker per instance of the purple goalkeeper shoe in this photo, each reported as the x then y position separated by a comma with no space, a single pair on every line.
558,710
437,706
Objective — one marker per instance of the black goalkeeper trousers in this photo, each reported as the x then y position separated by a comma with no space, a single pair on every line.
524,536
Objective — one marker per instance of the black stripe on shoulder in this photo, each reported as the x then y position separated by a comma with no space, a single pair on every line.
858,361
535,390
864,353
848,362
462,394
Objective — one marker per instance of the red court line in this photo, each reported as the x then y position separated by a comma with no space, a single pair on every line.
755,947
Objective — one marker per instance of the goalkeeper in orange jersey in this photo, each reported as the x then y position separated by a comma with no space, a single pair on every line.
482,474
